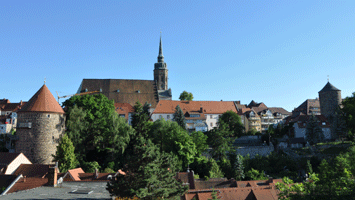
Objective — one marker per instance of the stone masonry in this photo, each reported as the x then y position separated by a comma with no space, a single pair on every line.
39,142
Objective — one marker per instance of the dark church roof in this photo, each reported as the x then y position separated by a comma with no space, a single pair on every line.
123,90
329,87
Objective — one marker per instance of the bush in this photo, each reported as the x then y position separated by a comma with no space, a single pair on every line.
89,167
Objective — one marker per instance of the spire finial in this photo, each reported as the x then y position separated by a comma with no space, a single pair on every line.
44,80
160,56
328,77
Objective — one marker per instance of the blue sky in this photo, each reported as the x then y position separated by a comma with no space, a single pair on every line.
276,52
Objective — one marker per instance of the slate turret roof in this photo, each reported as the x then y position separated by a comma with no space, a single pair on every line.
329,87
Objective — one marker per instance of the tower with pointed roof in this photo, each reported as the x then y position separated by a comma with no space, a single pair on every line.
329,100
161,70
40,124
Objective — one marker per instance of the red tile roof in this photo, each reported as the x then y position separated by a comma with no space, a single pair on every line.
124,108
74,173
208,107
28,183
91,176
33,170
42,101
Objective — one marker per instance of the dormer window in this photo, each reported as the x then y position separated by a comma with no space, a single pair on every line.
138,91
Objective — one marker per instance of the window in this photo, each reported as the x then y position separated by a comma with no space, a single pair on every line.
49,116
122,115
211,124
160,117
211,116
168,116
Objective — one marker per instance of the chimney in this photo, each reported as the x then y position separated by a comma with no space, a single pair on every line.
96,173
271,180
24,179
201,109
52,176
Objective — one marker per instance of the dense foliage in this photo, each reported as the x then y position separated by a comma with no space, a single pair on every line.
349,112
334,180
65,154
186,96
179,117
314,132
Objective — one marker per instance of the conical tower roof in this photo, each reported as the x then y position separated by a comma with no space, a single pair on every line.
42,101
329,87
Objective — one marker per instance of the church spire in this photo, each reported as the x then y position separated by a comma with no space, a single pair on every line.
160,56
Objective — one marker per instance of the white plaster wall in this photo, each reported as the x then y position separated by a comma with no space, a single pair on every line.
299,132
212,120
21,159
156,116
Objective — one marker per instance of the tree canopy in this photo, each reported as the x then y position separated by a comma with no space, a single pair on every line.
149,173
233,122
349,112
186,96
65,154
314,132
95,129
179,117
171,138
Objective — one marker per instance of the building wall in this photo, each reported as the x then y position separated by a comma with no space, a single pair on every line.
157,116
21,159
255,150
329,101
211,120
39,142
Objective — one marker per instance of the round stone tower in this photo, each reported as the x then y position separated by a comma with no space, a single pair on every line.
329,99
40,123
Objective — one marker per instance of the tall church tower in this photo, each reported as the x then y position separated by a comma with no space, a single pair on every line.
161,71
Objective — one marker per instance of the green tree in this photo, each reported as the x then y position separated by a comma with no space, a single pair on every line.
89,124
65,154
213,195
200,140
239,168
117,139
90,167
349,115
314,133
206,167
170,137
233,121
254,174
309,167
140,120
338,125
221,140
179,117
149,174
186,96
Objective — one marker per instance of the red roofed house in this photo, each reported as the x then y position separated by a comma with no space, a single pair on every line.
228,189
8,115
200,115
125,110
